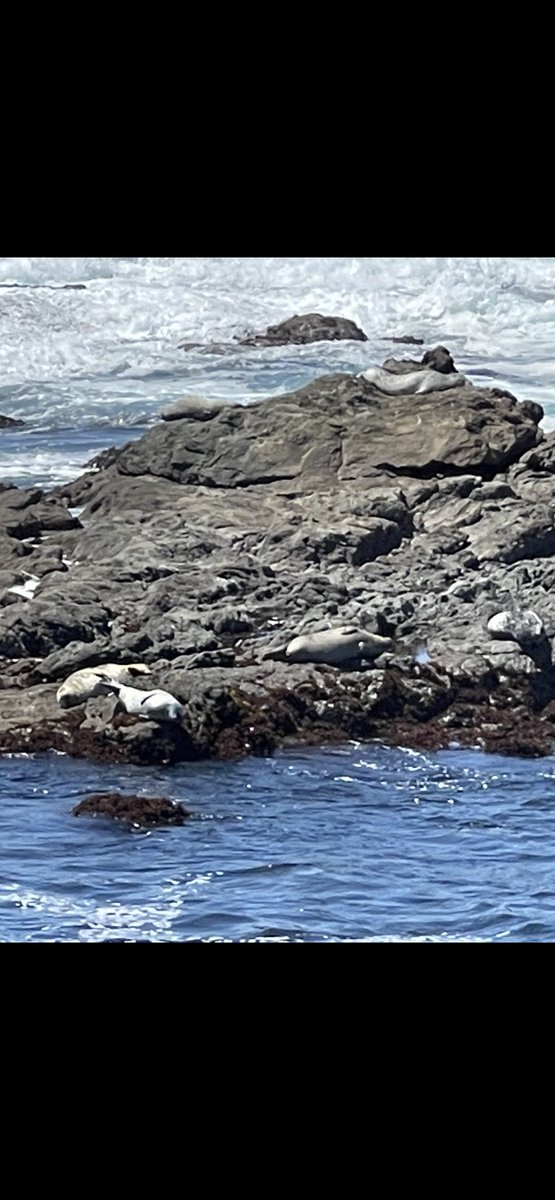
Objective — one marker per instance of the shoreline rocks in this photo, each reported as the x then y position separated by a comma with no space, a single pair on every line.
225,533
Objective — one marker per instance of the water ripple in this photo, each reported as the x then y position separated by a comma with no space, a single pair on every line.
319,845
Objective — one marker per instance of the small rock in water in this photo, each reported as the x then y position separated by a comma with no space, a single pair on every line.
136,810
407,340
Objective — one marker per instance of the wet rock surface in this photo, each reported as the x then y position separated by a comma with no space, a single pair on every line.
206,547
142,811
294,331
312,327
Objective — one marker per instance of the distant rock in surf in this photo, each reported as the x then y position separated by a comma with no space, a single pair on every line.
10,422
295,331
49,287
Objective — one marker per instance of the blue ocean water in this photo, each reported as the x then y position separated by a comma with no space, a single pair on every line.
360,842
344,843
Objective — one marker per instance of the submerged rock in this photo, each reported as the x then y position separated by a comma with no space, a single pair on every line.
136,810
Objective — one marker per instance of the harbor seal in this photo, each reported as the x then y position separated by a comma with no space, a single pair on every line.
527,629
152,706
337,645
83,684
417,382
524,627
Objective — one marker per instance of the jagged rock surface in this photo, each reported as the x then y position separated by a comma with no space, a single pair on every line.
205,547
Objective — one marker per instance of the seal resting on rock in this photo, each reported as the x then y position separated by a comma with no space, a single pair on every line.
417,382
83,684
153,706
337,645
524,627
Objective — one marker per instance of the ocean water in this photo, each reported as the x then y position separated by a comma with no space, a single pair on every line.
350,843
360,843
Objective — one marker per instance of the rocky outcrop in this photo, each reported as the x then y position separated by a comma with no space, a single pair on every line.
295,331
225,533
27,513
299,331
337,431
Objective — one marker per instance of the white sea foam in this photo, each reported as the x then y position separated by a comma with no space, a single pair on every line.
134,311
42,470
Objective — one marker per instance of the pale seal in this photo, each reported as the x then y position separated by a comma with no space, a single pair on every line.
415,382
192,408
153,706
86,683
337,645
524,627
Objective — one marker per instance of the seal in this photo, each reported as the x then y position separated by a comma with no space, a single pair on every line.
152,706
337,645
417,382
527,629
524,627
83,684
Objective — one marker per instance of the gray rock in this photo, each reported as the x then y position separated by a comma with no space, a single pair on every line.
299,330
511,531
213,542
74,657
336,431
35,629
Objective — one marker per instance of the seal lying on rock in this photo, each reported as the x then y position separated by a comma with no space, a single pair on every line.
83,684
417,382
524,627
153,706
337,645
